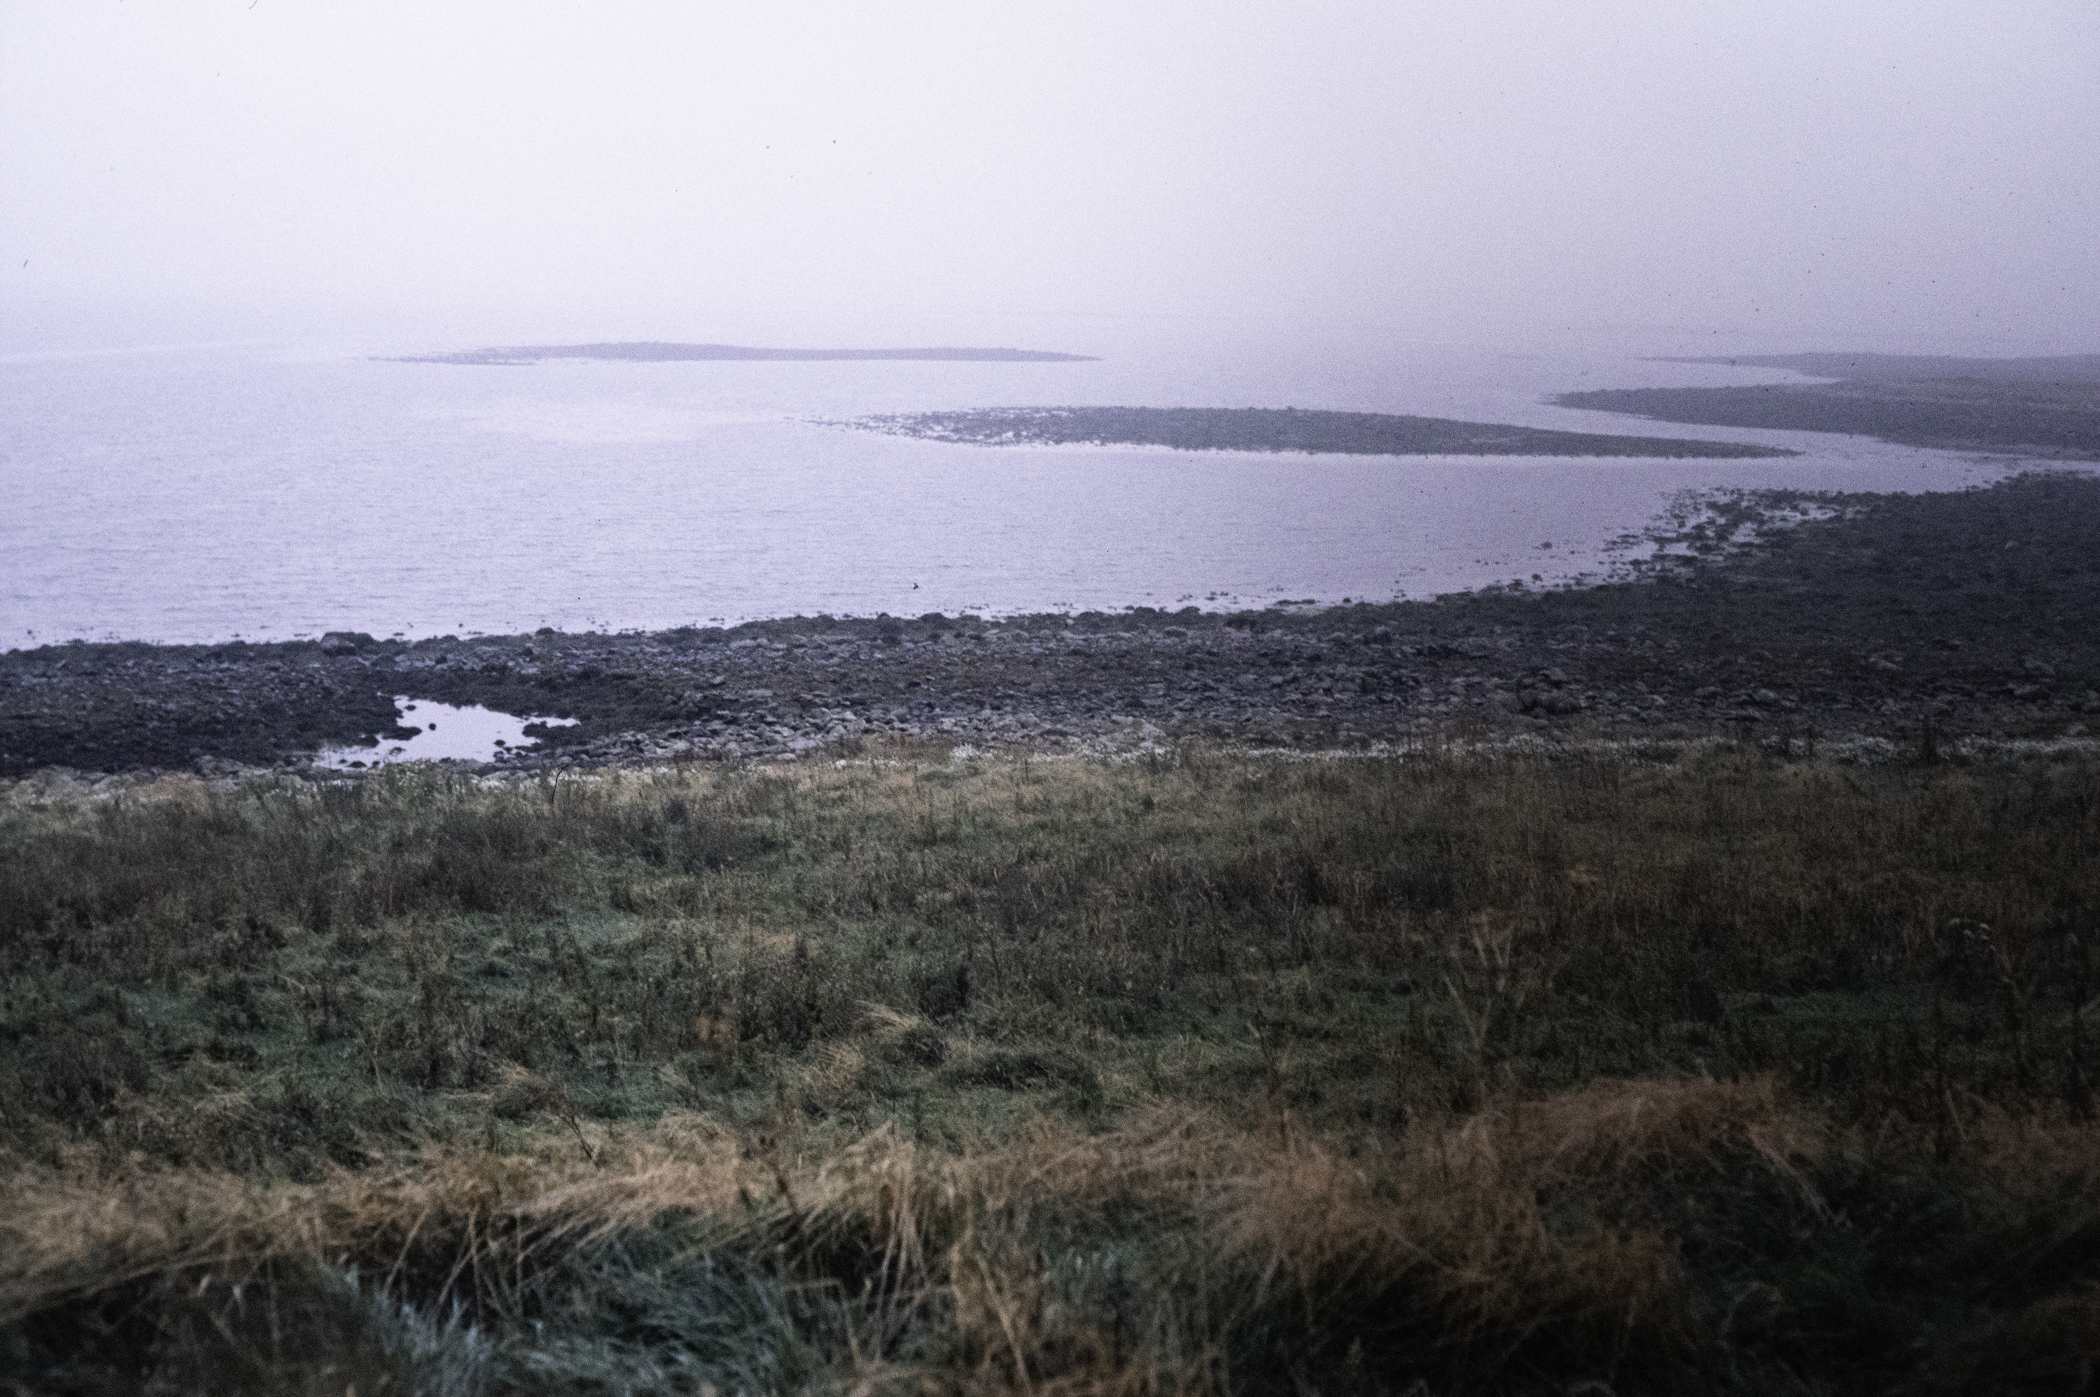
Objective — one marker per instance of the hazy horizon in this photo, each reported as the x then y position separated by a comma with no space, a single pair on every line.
1070,177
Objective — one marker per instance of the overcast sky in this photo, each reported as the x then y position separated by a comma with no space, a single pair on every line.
1832,174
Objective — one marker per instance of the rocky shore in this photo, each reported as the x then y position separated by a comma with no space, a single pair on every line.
1919,617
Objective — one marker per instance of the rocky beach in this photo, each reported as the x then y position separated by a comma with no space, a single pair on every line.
1919,619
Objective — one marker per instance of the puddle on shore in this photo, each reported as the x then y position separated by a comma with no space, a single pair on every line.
473,734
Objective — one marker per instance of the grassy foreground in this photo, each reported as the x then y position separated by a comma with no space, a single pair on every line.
1723,1069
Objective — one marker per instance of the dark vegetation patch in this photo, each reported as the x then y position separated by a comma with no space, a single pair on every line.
1724,1069
1285,429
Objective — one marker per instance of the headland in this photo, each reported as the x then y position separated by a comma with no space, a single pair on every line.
2038,407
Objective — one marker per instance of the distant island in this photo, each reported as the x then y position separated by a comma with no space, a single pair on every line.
2038,406
1281,429
654,352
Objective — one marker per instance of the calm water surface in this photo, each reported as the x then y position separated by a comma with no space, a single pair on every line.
267,492
443,731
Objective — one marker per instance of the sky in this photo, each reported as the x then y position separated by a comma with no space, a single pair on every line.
1772,174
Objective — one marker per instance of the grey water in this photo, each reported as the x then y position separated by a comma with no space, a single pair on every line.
266,491
443,732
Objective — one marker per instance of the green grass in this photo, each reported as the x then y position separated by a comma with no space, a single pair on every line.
1200,1071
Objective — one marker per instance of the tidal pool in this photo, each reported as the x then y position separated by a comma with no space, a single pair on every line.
443,732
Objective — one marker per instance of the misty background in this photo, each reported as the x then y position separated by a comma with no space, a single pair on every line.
222,222
1068,176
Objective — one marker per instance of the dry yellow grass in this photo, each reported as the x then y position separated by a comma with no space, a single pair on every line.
1458,1215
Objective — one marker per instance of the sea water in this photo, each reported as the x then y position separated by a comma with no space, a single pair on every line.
443,732
270,491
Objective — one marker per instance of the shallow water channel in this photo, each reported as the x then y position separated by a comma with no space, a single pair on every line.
443,732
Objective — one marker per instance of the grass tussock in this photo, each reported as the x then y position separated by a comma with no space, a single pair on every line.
1193,1074
990,1267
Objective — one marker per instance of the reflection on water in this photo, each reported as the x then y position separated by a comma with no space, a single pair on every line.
443,732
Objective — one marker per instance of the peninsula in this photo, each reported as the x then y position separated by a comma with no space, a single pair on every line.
1281,429
2048,407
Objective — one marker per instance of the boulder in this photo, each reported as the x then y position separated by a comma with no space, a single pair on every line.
345,642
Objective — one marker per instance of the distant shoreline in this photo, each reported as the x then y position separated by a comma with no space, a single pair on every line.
657,352
2037,407
1283,430
2060,368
